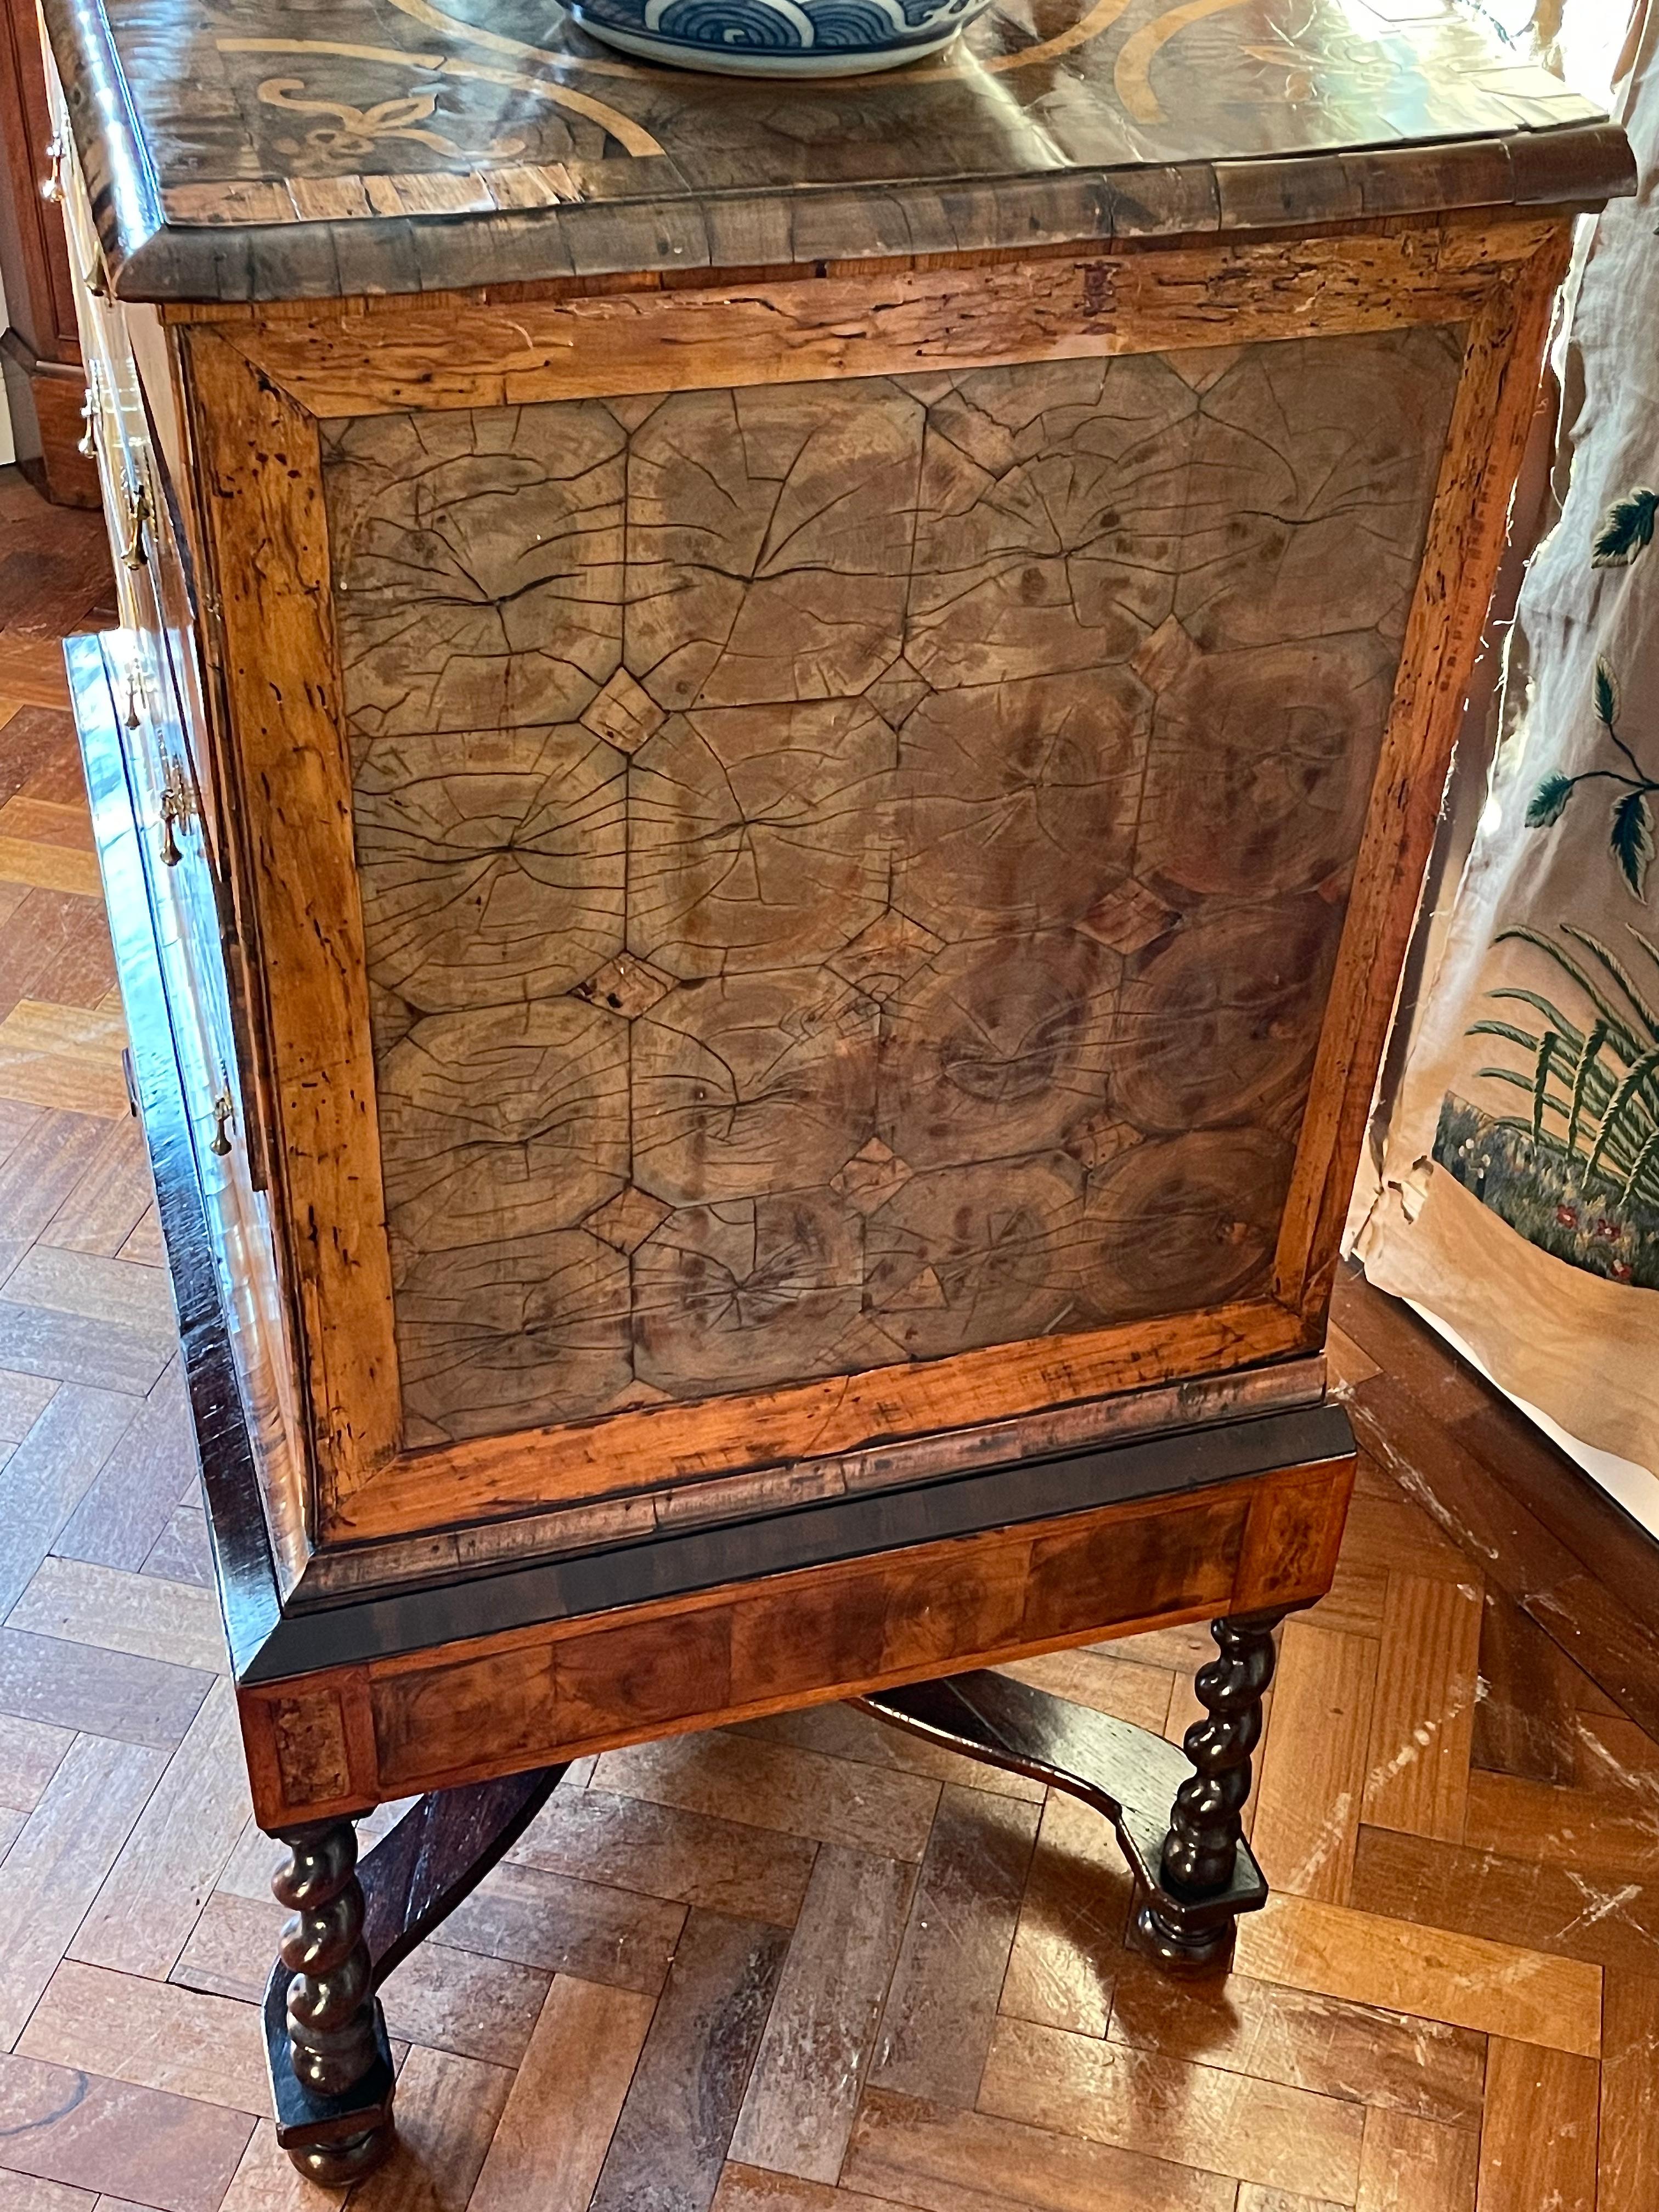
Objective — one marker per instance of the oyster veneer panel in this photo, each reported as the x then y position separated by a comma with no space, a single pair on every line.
759,837
770,541
477,565
852,872
490,854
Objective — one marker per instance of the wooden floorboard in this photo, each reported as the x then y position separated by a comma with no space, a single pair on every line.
806,1965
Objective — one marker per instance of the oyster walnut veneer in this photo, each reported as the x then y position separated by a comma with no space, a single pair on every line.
761,796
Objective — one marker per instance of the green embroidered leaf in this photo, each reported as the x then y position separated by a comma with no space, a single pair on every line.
1549,802
1621,1111
1605,693
1626,529
1645,1160
1541,1088
1581,1080
1632,840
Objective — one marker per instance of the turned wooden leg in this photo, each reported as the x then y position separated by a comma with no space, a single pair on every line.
1200,1852
335,2038
1129,1775
325,2043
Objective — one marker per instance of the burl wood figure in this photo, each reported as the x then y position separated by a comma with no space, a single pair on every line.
767,772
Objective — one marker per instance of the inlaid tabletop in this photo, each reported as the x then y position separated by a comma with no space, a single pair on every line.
265,148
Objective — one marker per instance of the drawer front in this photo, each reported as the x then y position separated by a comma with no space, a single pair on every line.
184,896
153,594
142,506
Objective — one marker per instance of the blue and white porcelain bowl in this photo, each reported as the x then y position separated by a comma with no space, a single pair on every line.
778,38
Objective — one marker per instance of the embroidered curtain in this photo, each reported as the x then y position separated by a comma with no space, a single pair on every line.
1520,1171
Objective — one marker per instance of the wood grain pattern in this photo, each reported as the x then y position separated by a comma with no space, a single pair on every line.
925,1016
1539,2139
83,2130
820,2034
1417,1763
883,321
1628,2146
742,1812
752,1873
587,1214
167,2038
148,1905
210,185
59,1861
1307,1816
1065,1958
1308,2039
269,547
907,2151
954,1412
1473,1982
588,1930
1603,1918
1417,2165
448,2108
343,1740
1283,2138
1495,403
587,2036
688,2088
942,2005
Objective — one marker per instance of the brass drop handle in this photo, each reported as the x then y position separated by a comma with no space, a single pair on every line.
52,185
177,812
134,552
224,1114
87,442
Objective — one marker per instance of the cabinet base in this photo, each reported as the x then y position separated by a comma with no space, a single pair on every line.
443,1848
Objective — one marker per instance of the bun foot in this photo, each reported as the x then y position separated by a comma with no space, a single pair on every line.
1179,1946
337,2164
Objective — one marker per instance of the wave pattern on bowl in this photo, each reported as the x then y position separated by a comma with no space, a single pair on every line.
778,37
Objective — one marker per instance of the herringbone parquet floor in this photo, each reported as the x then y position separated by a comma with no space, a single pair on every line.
805,1966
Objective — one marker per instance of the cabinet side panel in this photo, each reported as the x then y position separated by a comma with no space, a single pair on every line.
852,874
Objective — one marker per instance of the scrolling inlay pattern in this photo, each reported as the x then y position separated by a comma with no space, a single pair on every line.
852,872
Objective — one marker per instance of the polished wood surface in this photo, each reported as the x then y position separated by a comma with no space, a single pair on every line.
334,1038
342,1740
873,993
283,153
725,1032
794,1854
326,782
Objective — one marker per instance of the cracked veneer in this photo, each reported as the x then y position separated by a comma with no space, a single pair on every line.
852,874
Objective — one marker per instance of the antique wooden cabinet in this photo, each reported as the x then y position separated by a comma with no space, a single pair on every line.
768,768
40,341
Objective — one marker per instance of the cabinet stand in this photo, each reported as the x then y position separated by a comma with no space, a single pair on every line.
1176,1813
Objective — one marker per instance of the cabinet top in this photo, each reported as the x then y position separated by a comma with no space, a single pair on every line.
239,150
